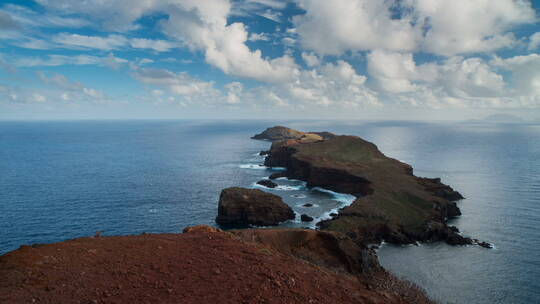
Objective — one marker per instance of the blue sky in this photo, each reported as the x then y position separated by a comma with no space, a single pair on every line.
407,59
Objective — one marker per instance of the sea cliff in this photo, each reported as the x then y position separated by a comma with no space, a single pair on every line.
392,203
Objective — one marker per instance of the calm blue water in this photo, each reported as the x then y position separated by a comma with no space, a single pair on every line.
61,180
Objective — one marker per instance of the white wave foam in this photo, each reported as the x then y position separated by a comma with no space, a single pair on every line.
343,198
279,187
254,166
289,188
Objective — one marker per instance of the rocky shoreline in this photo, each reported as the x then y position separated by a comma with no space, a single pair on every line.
392,204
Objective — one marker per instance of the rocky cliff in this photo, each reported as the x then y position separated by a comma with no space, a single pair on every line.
392,203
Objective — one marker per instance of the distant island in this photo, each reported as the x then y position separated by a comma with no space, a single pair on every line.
504,118
500,118
334,264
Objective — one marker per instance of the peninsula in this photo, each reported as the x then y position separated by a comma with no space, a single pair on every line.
392,204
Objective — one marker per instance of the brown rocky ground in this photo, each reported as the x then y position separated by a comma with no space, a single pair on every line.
203,266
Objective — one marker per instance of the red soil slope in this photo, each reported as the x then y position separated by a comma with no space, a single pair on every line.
197,267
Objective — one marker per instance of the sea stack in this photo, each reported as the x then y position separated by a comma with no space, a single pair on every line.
241,207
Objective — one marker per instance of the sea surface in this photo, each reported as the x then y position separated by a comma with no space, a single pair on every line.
62,180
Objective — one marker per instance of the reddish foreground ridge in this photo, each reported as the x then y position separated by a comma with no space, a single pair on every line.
205,265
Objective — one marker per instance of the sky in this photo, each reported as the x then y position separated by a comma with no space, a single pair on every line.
269,59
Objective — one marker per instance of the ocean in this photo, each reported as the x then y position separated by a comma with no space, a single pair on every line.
62,180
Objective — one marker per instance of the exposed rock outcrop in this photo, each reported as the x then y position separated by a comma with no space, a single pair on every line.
267,183
241,207
201,228
306,218
323,248
278,133
392,204
277,175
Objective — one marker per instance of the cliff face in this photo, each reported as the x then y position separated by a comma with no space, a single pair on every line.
392,205
204,265
324,248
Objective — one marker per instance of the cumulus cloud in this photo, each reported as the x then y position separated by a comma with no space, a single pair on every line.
310,59
333,84
394,72
77,88
394,40
465,26
456,77
334,27
60,81
234,92
59,90
437,26
259,37
534,41
526,76
201,25
471,77
204,26
176,83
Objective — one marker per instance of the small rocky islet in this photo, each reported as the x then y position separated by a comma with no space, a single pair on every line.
333,264
241,207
